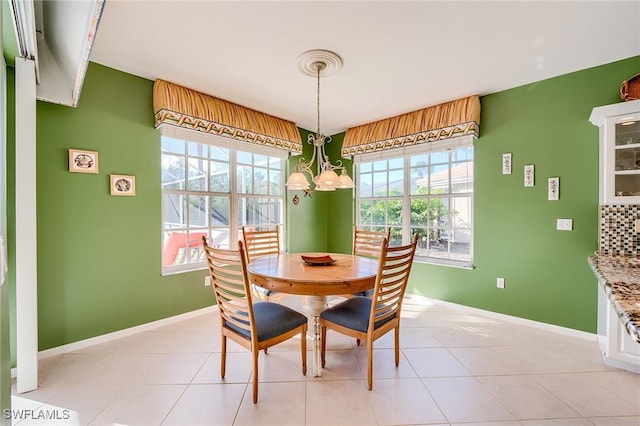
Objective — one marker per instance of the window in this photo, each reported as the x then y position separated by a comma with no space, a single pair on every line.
212,187
423,189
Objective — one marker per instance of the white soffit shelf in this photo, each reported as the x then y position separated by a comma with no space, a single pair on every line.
66,31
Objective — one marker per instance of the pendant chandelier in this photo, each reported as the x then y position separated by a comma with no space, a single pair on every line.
316,63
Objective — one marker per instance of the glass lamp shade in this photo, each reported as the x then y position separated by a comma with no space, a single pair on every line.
320,187
344,181
328,178
297,182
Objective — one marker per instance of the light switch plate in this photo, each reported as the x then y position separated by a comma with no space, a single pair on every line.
500,282
564,224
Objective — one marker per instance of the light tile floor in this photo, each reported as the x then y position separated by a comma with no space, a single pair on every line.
455,368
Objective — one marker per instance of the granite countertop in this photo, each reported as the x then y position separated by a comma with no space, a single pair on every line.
620,277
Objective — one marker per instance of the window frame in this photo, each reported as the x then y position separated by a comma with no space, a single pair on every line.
234,197
405,153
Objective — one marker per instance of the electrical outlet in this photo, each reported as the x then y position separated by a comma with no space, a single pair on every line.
207,280
500,283
564,224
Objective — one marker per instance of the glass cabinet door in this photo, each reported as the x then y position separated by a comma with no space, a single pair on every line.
627,159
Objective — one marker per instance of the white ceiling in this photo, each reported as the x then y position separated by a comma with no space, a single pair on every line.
398,56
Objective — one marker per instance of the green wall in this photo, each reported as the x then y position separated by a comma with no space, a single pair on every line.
546,272
99,256
314,224
306,227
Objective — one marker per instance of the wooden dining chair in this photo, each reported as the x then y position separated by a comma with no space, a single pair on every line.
368,244
255,326
258,244
371,318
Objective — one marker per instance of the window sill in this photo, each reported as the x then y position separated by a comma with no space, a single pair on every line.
444,262
180,269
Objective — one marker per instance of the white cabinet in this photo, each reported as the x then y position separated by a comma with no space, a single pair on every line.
619,152
616,345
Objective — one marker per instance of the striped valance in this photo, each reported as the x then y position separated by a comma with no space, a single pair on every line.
179,106
447,120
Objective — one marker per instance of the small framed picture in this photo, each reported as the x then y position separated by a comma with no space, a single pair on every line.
81,161
123,185
554,189
506,163
529,175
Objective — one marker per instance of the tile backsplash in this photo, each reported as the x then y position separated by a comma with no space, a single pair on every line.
616,230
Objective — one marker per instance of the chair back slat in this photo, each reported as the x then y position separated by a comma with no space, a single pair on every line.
260,243
368,243
228,272
391,281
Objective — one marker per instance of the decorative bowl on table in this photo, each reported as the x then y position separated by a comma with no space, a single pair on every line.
324,259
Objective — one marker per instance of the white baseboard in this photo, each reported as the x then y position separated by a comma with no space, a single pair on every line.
509,318
83,344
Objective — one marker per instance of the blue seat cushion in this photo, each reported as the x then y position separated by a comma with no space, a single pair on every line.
353,313
366,293
272,319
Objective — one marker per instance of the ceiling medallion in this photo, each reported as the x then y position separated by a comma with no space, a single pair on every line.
319,63
307,62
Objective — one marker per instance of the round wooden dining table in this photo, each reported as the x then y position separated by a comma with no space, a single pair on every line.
288,273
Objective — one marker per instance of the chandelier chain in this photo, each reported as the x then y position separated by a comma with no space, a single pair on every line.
318,105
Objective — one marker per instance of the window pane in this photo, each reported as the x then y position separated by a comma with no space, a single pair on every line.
275,187
219,176
379,213
419,180
462,177
276,210
197,174
380,165
197,149
365,185
260,160
244,157
245,180
366,167
438,212
396,182
219,211
394,212
396,163
198,210
461,212
220,238
275,163
172,171
174,211
247,211
380,184
439,179
218,153
395,236
460,154
260,181
419,160
419,211
172,145
461,245
366,213
439,157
